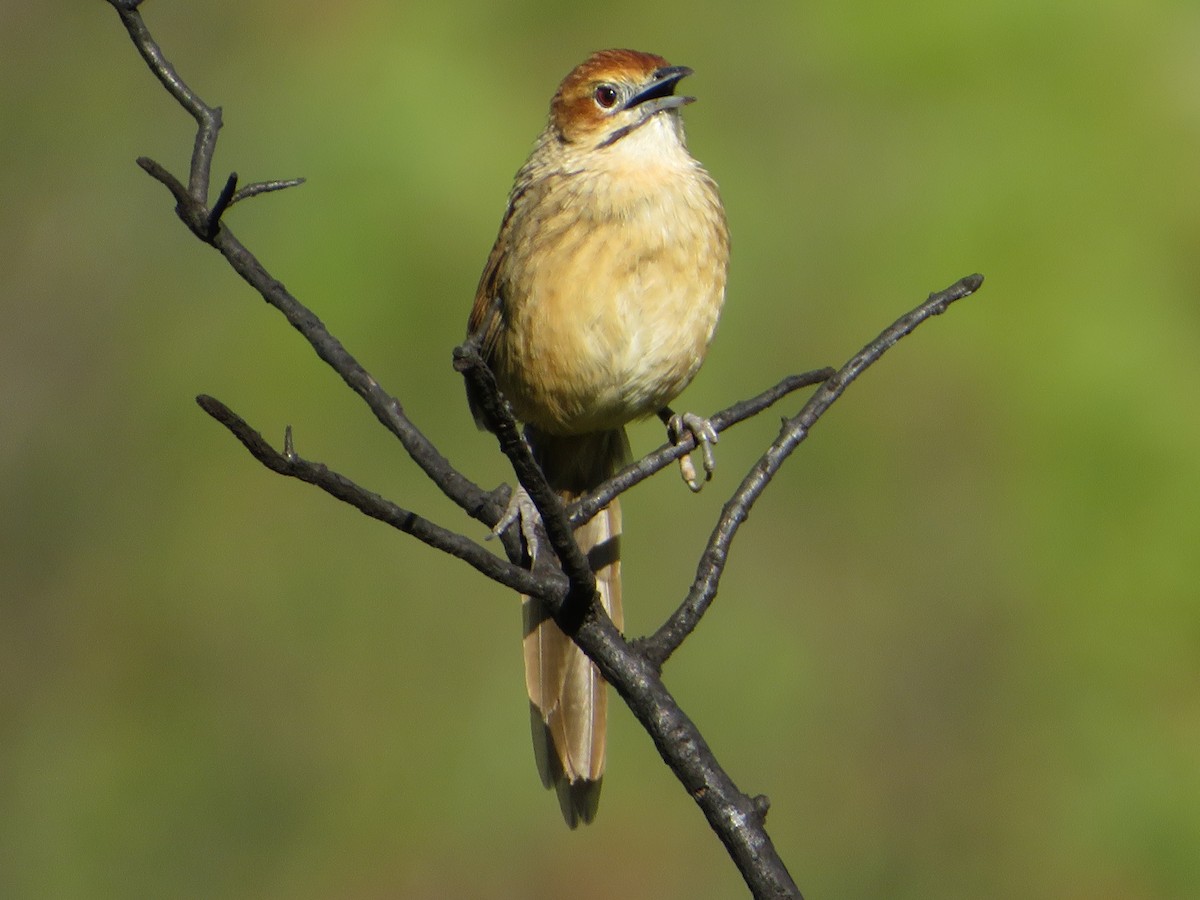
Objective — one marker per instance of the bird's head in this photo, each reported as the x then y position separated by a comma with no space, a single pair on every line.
612,93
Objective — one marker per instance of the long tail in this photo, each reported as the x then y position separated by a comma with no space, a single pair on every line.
568,698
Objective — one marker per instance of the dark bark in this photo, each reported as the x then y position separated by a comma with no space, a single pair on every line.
562,579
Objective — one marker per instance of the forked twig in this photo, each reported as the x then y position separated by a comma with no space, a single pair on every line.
567,588
684,620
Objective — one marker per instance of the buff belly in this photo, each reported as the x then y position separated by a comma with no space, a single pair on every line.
610,349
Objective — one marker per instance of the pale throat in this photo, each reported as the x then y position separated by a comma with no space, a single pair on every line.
645,167
657,144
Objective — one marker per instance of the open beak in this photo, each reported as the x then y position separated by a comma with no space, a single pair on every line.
659,93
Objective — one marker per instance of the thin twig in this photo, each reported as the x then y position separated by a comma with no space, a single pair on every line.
477,502
264,187
218,209
684,620
289,463
735,817
208,118
192,209
586,507
738,820
173,184
582,591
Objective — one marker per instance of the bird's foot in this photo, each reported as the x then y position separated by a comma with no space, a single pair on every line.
704,433
522,511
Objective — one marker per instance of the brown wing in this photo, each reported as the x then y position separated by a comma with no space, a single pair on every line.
487,314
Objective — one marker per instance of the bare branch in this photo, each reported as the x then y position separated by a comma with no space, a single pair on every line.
192,209
582,592
218,209
230,194
264,187
477,502
739,821
173,184
583,509
684,620
569,588
289,463
208,118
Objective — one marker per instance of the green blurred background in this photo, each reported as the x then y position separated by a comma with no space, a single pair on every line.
959,642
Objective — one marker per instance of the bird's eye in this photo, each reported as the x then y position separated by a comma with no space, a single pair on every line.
605,96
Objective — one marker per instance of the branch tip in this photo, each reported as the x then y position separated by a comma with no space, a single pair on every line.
586,507
160,174
211,405
224,199
671,635
265,187
762,806
633,674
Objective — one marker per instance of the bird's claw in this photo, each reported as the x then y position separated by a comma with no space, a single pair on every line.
704,433
521,510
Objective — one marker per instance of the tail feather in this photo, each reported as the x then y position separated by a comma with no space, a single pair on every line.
567,696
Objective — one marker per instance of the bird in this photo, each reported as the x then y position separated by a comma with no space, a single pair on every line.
596,308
